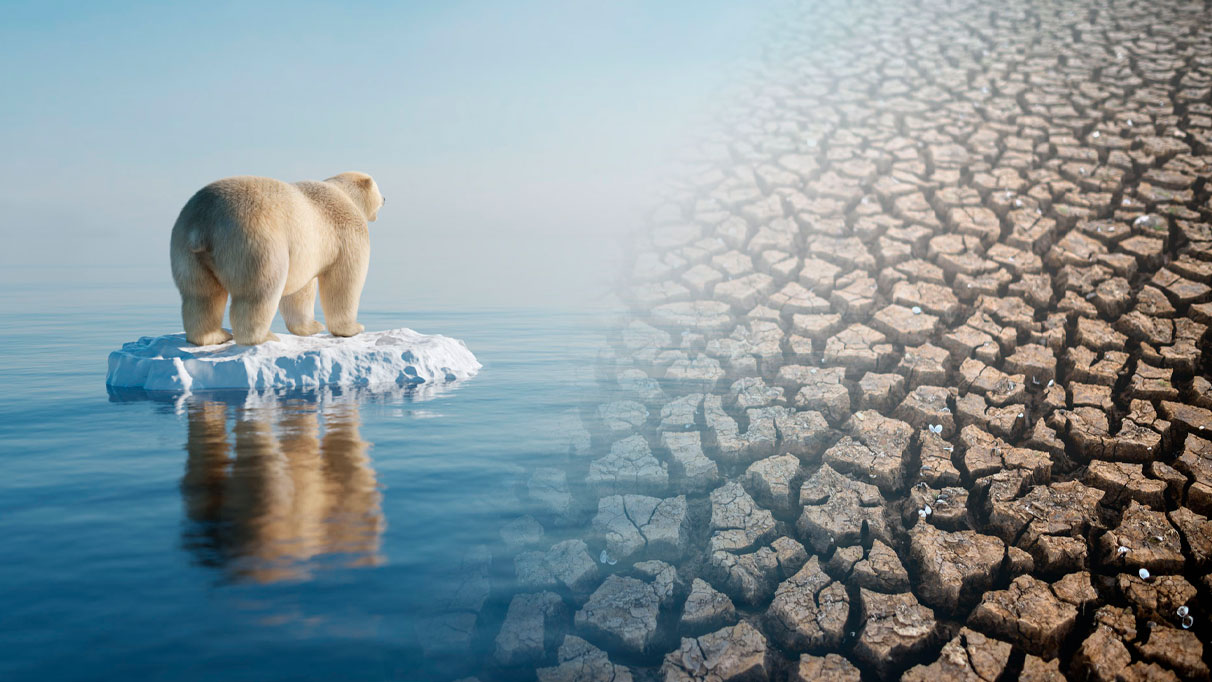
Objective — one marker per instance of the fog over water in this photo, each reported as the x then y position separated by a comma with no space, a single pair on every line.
514,141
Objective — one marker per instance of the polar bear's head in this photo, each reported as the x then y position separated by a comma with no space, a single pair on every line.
363,190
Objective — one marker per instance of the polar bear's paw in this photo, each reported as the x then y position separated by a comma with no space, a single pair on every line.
346,330
211,338
306,328
252,341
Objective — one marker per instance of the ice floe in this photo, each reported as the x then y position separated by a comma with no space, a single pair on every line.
400,357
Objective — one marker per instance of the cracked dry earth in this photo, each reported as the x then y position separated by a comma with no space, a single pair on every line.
915,378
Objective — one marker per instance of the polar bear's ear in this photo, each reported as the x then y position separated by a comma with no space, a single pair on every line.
365,182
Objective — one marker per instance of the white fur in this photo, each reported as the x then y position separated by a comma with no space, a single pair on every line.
268,243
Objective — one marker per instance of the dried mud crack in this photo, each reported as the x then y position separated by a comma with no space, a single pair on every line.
915,379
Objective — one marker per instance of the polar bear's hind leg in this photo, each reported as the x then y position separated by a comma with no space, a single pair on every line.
203,300
255,297
299,311
251,317
203,317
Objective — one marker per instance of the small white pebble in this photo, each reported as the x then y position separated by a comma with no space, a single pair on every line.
1188,622
1182,611
917,310
1122,550
1096,134
1050,382
936,428
1144,574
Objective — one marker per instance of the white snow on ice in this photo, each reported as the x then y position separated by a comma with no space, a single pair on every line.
401,357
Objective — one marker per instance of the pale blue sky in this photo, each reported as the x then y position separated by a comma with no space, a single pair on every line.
506,135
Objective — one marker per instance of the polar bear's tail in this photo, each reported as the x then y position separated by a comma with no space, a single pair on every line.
195,240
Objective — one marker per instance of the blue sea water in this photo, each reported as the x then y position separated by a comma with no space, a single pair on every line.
298,538
311,537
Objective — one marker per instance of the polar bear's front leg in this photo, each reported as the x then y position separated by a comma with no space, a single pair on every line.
299,311
340,291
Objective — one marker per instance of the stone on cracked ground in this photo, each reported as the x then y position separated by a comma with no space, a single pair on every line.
706,609
737,653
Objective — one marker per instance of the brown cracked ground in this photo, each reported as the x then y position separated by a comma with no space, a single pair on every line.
922,339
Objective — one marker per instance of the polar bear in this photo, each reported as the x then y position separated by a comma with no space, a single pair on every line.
267,243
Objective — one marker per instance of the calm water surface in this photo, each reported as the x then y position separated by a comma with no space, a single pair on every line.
224,537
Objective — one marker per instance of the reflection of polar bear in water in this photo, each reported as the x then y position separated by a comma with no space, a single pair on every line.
267,243
288,496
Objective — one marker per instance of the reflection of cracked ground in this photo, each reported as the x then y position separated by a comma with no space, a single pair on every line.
917,371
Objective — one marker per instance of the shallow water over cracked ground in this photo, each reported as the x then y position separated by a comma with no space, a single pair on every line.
915,382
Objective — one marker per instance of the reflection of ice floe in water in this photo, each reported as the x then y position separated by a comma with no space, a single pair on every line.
278,481
400,357
275,489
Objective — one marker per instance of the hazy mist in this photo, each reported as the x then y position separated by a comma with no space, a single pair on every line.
513,141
